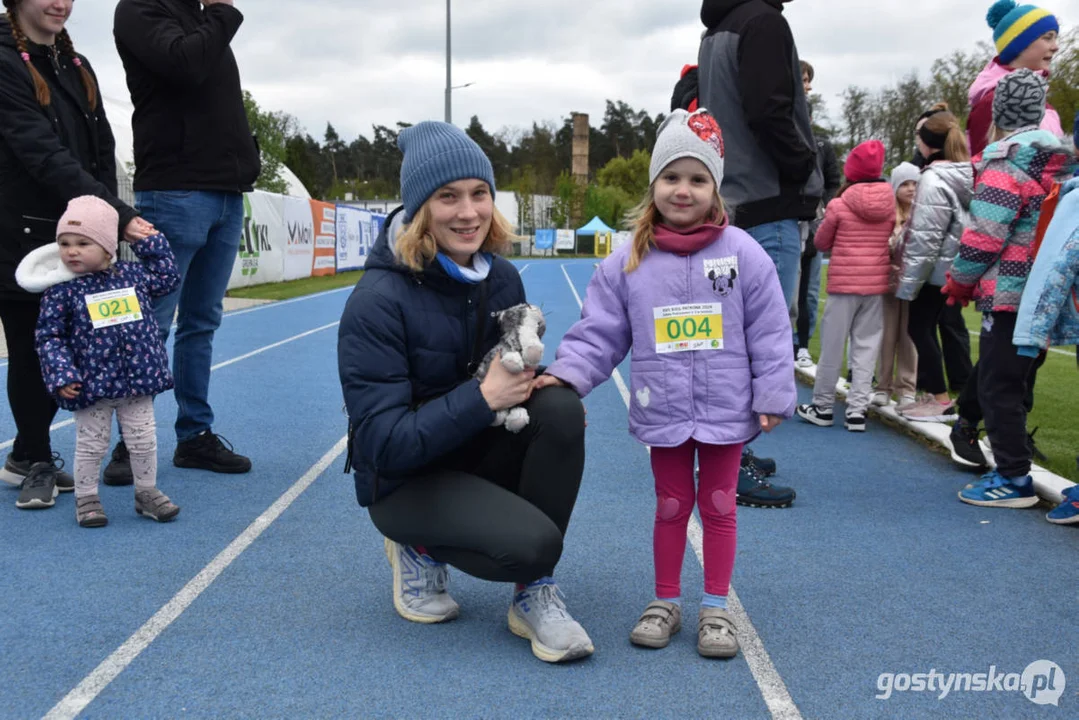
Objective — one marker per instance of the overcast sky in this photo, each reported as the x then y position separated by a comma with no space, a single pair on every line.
356,63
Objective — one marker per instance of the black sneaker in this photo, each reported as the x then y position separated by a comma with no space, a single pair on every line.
765,466
817,416
755,491
855,423
118,471
39,488
15,471
207,451
966,450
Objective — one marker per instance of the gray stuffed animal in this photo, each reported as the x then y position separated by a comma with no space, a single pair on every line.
522,327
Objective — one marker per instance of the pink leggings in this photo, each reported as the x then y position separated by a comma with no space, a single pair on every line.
673,470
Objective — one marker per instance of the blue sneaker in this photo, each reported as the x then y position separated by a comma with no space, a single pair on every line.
995,490
1067,512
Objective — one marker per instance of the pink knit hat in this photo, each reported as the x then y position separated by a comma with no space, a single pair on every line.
93,218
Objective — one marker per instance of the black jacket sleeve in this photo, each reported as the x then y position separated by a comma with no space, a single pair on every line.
106,160
37,147
833,178
766,86
390,434
159,42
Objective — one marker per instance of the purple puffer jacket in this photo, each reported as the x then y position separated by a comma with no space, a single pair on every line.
714,394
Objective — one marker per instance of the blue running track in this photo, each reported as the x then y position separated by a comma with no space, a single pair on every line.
269,597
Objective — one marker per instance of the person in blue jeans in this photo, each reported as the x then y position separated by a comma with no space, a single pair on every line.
194,158
748,78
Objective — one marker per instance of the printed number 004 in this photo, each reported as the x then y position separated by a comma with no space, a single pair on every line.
688,327
110,308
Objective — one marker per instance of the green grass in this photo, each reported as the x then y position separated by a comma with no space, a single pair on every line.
1056,397
296,288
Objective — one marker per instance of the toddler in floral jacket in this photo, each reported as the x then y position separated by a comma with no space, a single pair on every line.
100,348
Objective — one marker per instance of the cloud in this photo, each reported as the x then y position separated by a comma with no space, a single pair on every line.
357,64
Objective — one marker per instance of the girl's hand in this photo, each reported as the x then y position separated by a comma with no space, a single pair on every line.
503,389
547,381
138,229
70,392
770,422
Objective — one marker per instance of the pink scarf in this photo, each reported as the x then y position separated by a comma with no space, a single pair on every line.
687,242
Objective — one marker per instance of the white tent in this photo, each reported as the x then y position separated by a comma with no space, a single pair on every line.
119,112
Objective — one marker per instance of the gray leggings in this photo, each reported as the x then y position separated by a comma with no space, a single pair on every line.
93,428
497,508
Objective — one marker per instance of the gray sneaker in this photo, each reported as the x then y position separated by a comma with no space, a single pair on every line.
38,488
15,471
716,634
154,504
419,586
538,614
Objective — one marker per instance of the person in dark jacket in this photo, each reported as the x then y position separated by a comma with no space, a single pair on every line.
809,277
441,484
99,351
55,144
194,158
748,78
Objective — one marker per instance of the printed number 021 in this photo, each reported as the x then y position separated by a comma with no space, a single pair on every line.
110,308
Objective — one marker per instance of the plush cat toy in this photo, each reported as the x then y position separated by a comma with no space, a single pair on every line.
522,327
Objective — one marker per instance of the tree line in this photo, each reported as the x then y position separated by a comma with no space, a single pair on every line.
536,161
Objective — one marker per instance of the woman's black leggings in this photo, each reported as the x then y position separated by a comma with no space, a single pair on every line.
925,310
31,404
499,507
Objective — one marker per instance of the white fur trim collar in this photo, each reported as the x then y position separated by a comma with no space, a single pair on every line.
41,269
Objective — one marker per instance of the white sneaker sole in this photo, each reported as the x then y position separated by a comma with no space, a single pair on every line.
38,503
815,420
10,478
1013,503
547,654
399,606
962,461
854,428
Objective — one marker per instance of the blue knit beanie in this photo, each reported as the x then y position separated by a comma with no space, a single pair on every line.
437,153
1016,27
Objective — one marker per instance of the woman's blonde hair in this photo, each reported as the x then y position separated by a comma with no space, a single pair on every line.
416,247
644,218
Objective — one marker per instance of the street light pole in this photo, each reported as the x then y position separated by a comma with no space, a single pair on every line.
449,112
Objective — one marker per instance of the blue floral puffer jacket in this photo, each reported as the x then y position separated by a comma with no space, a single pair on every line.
110,361
1049,310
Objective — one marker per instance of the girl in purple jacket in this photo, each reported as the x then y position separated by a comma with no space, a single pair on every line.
698,306
100,348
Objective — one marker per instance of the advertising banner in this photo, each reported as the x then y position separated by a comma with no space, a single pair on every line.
300,238
261,255
324,222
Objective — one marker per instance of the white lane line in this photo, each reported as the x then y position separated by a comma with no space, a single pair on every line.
1058,351
522,270
64,423
773,689
92,685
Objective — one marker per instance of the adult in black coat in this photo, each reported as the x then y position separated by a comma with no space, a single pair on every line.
55,145
440,483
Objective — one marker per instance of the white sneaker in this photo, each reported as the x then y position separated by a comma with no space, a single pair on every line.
419,586
906,402
539,615
881,399
803,359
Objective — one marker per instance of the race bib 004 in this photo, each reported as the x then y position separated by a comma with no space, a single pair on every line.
680,328
113,307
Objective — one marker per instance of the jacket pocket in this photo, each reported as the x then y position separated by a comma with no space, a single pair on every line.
36,231
649,405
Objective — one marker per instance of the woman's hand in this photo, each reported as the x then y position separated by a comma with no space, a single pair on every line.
770,422
70,392
138,229
503,389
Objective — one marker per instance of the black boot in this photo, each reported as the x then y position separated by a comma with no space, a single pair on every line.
118,471
207,451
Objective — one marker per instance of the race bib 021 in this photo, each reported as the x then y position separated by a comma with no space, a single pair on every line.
113,307
680,328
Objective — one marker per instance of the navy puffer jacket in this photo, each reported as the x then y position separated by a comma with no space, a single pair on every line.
403,350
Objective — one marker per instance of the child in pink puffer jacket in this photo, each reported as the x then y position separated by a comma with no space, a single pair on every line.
857,226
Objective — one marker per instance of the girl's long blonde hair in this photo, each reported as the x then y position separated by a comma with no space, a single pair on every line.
644,218
416,247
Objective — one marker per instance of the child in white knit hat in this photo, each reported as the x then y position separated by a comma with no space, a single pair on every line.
101,351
